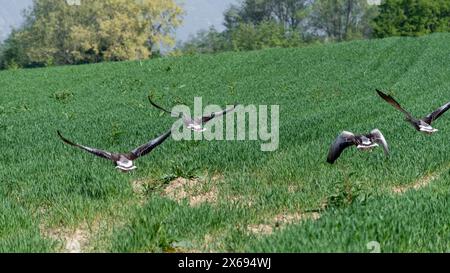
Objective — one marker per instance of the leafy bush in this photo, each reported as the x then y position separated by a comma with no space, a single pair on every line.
412,17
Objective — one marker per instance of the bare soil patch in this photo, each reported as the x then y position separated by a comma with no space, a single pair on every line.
280,221
72,240
197,190
418,184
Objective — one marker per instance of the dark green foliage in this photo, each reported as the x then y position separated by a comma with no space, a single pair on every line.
244,37
340,20
258,24
207,41
412,17
12,53
267,34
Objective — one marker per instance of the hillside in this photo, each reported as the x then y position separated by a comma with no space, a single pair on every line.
229,195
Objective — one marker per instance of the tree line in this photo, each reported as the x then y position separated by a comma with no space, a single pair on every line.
258,24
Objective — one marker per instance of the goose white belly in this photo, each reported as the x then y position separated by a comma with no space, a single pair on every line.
427,129
125,164
367,147
196,127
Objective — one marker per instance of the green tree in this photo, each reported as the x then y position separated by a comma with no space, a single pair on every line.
267,34
342,19
232,17
412,17
206,41
254,24
289,13
255,11
107,30
12,53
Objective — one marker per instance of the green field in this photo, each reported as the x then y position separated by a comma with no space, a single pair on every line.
233,197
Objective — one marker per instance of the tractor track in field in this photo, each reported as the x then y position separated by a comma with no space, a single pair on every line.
420,183
280,221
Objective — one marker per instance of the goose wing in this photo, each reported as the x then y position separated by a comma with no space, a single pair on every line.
436,114
174,114
377,137
343,141
208,117
393,102
94,151
149,146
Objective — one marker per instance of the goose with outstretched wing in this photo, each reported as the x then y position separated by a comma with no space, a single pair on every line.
195,124
123,161
421,125
362,142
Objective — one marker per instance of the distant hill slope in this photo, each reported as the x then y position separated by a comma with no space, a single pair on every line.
229,195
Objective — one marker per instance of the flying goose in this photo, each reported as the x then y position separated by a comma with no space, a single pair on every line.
362,142
195,124
421,125
123,161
